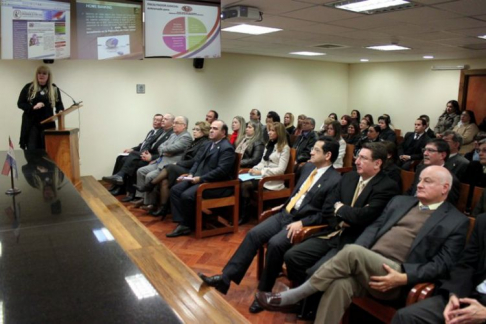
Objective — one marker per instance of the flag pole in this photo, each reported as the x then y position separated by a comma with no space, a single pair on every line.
12,191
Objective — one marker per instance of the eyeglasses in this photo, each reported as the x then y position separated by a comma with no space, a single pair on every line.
178,123
197,129
425,149
482,150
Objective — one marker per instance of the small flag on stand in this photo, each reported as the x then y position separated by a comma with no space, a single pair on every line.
10,162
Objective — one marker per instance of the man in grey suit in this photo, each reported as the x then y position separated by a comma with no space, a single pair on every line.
416,239
303,209
456,163
169,152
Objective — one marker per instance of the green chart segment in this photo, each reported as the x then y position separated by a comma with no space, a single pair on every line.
184,34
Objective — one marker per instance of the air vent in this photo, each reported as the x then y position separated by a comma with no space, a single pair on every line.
330,46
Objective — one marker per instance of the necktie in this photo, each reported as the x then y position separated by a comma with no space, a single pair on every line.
416,136
302,191
147,141
423,207
357,192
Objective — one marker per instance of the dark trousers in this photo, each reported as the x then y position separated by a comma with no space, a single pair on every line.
305,258
273,230
183,201
128,166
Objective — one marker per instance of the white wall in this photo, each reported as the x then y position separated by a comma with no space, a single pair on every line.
405,90
115,117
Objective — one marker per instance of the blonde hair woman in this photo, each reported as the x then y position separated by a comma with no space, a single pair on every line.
38,99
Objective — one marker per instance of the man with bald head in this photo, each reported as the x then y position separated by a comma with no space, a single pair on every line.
416,239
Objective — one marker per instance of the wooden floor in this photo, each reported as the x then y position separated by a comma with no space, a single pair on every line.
207,255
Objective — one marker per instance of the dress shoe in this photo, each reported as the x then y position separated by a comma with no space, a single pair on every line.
117,191
148,208
216,282
128,198
179,231
114,179
255,307
137,203
162,211
145,188
271,302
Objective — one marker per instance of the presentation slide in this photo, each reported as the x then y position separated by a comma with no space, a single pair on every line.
108,30
182,30
35,29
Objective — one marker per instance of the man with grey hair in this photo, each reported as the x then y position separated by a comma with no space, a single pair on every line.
169,152
456,163
305,142
416,239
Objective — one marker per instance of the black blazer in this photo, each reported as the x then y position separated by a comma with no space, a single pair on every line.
367,207
149,141
453,196
470,271
438,243
162,137
413,147
252,155
388,134
216,164
310,209
189,155
304,145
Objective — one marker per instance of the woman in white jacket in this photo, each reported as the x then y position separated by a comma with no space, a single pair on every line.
274,162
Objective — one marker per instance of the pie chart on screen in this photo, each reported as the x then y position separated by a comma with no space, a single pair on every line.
184,34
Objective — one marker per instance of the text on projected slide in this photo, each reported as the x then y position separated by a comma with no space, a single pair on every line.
108,30
35,29
182,30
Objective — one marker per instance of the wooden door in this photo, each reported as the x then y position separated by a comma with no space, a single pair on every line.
472,92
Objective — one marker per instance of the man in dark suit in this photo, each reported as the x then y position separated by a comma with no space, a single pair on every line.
461,298
436,152
416,239
124,174
214,162
302,209
456,163
428,131
305,142
347,211
411,148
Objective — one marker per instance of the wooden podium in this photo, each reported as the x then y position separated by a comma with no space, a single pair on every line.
62,145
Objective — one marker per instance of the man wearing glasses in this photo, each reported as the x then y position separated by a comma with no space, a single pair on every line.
436,152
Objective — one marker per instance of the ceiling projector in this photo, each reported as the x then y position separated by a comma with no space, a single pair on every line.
241,14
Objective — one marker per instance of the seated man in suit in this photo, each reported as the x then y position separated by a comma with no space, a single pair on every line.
436,152
456,163
302,209
214,162
428,131
411,148
349,210
461,298
127,165
169,152
481,173
416,239
305,142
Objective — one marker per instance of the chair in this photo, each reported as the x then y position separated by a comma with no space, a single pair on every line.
348,156
398,132
385,313
262,195
204,206
407,179
477,193
463,196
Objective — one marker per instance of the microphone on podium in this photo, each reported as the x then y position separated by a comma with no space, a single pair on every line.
67,94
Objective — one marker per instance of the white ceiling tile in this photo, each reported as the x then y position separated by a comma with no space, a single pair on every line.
321,14
455,23
421,14
366,22
326,29
474,32
464,7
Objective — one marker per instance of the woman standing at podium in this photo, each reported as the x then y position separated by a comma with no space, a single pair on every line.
38,99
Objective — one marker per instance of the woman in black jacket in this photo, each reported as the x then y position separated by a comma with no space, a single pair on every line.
250,146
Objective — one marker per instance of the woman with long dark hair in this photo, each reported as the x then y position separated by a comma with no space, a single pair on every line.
468,129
